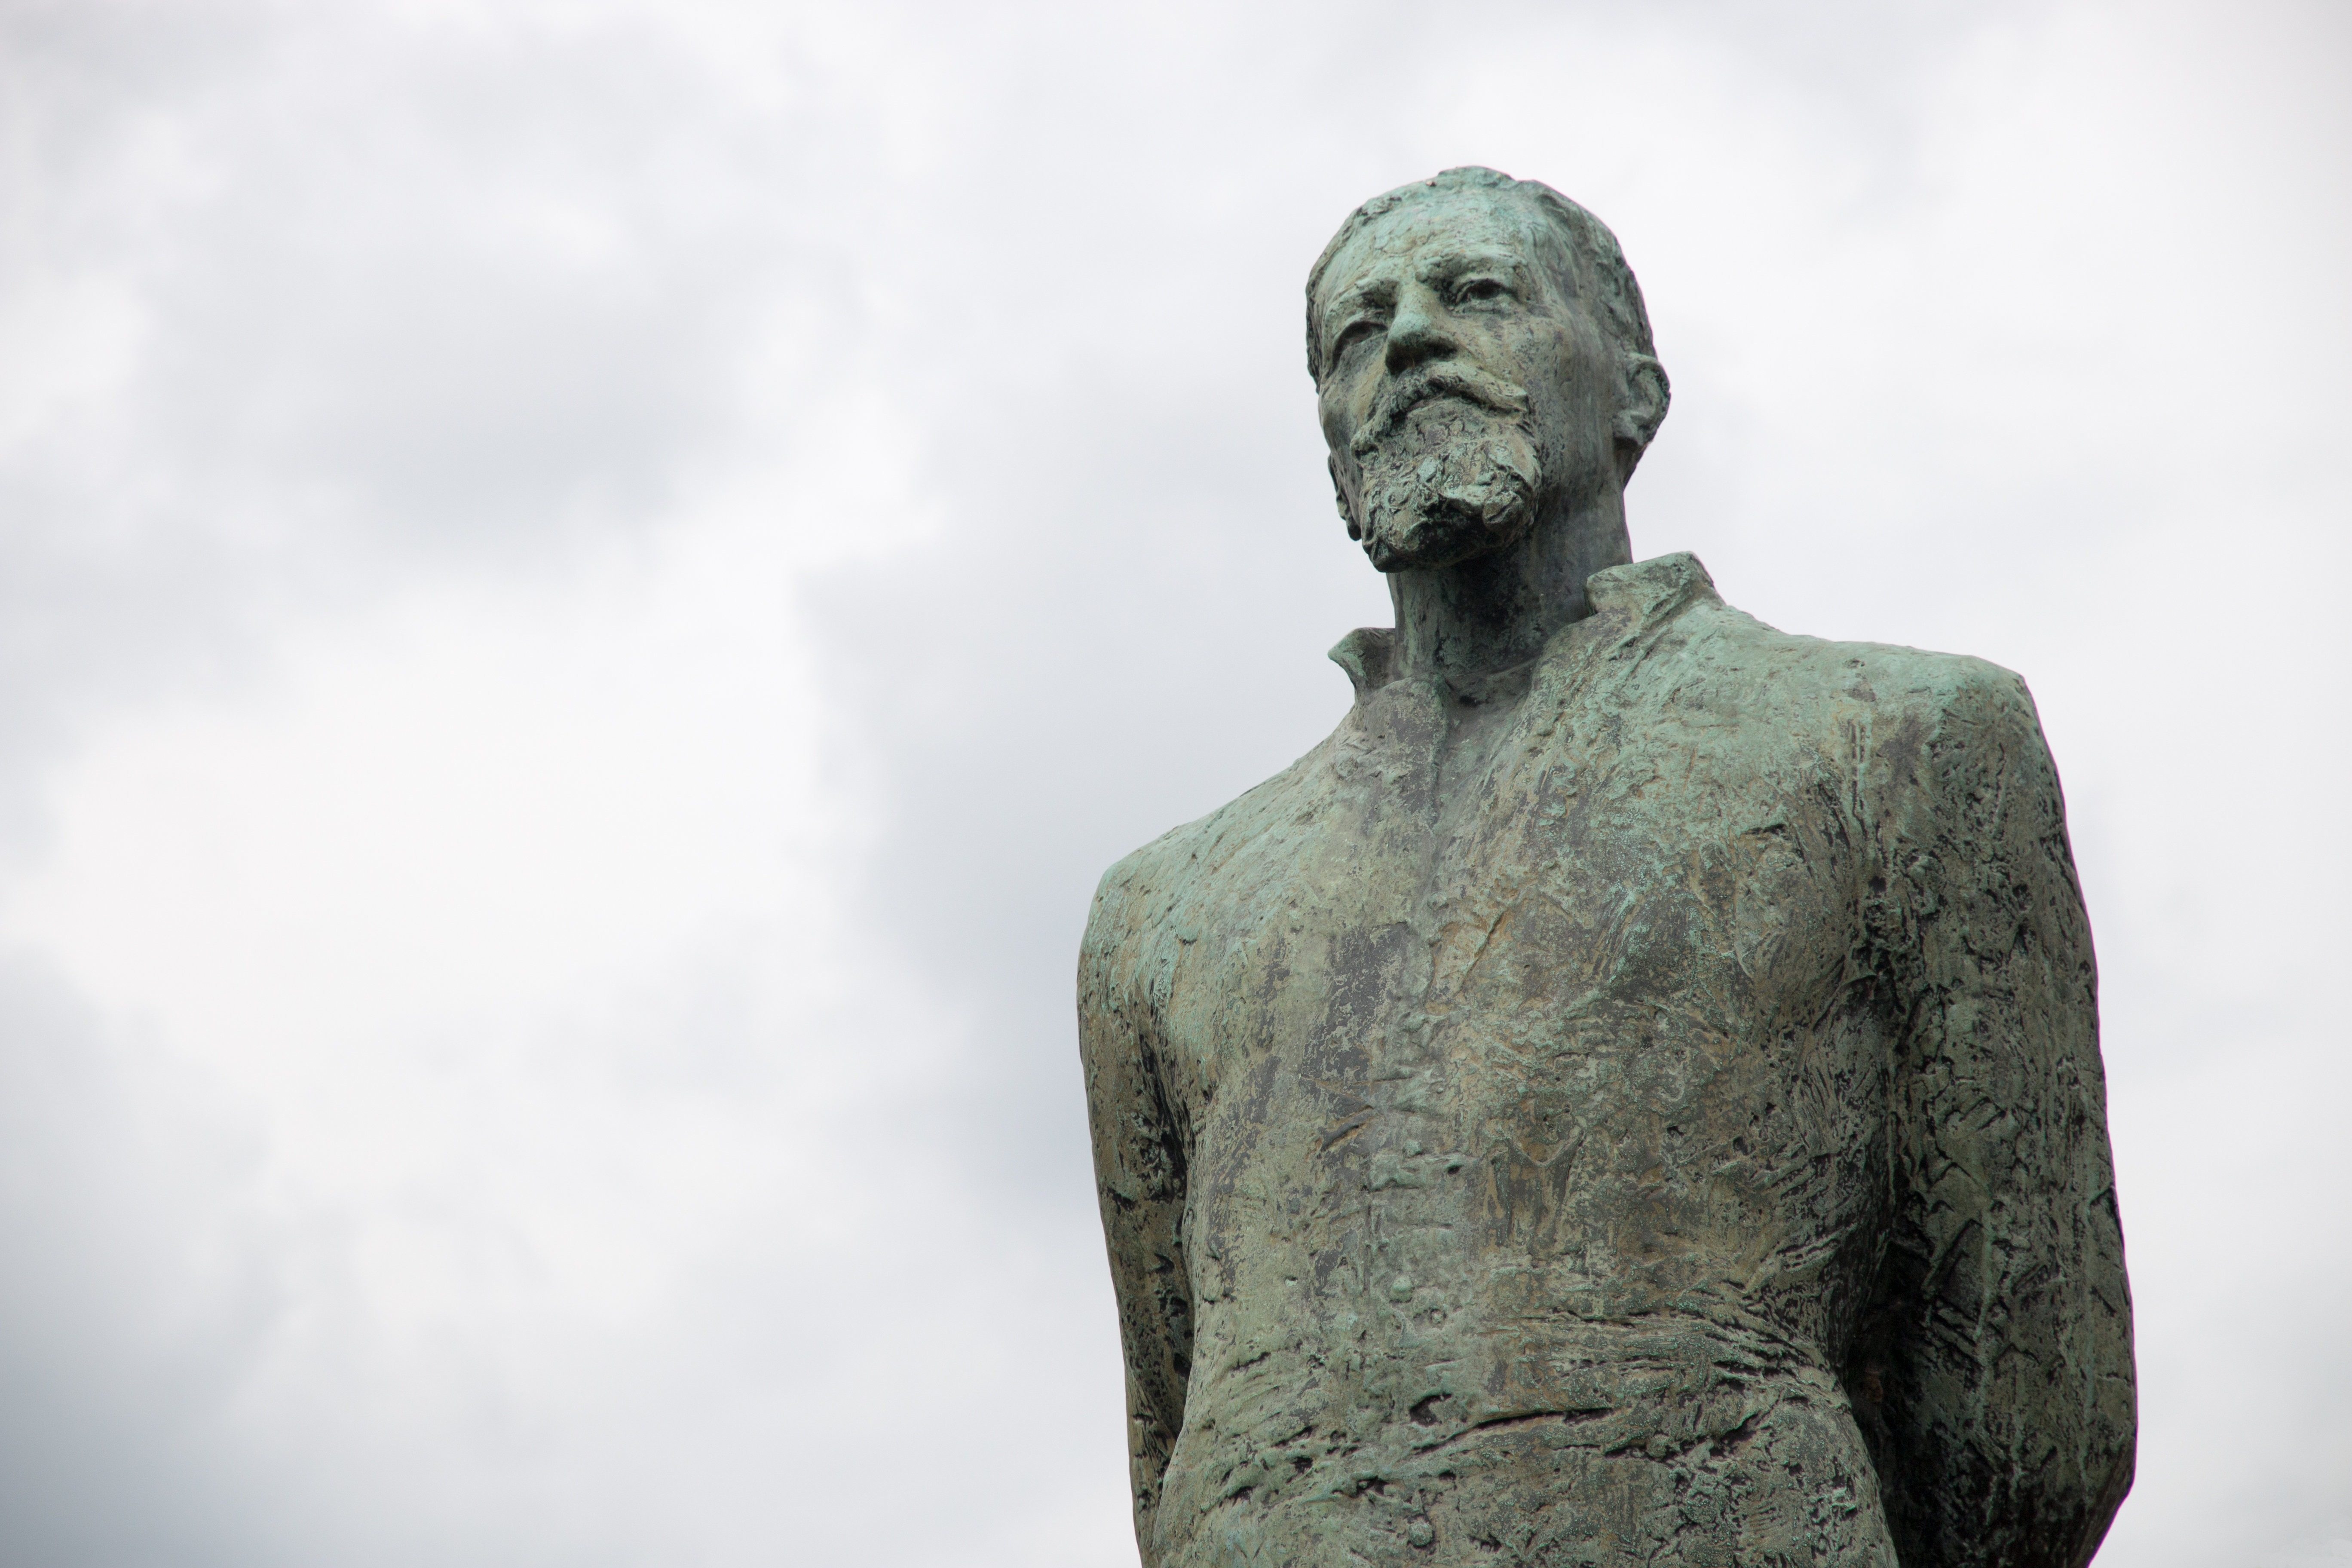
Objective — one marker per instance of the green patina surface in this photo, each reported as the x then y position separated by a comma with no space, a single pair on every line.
1637,1104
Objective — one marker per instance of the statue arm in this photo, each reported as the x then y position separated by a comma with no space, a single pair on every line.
1995,1376
1140,1181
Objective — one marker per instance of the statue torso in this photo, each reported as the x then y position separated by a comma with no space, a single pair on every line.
1536,1104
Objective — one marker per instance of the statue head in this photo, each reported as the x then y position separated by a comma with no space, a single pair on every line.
1482,363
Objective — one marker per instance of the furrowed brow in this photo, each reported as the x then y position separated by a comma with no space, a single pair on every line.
1374,292
1474,259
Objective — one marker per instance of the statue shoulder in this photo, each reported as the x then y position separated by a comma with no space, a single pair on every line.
1139,892
1892,688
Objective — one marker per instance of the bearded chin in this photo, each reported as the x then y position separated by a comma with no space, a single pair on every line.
1444,485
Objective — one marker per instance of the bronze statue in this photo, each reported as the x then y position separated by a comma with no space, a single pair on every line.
1632,1094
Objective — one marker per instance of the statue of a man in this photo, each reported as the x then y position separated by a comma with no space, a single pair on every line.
1632,1095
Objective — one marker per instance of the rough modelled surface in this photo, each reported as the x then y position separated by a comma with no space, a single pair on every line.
1637,1105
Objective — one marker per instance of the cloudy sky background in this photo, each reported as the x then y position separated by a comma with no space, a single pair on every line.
586,589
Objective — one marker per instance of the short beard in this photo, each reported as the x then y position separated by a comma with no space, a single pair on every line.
1447,469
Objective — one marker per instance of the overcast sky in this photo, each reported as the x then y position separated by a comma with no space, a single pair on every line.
588,587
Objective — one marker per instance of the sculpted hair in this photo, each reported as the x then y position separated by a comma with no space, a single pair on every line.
1592,267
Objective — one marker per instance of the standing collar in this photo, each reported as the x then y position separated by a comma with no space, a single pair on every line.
1640,597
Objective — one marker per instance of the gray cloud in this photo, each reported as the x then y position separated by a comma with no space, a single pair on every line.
964,348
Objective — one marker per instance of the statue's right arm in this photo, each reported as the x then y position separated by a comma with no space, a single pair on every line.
1139,1149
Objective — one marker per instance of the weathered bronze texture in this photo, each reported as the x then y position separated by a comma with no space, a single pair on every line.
1632,1094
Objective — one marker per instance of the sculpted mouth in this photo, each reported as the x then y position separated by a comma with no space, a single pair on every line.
1401,397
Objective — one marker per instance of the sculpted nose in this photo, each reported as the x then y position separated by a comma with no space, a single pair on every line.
1417,333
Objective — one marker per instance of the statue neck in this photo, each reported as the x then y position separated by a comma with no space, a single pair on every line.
1497,610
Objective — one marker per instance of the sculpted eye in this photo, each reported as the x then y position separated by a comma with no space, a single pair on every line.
1477,290
1354,335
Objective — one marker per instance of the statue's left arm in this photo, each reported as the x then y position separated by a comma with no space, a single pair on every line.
1994,1373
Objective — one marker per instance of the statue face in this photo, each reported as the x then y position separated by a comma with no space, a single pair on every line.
1465,386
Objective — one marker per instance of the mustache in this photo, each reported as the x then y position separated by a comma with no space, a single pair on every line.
1415,387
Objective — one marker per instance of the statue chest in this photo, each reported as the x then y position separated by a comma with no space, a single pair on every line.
1583,1035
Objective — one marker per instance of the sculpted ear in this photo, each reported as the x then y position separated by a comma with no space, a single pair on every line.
1642,411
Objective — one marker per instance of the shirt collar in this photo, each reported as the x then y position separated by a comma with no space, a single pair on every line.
1639,598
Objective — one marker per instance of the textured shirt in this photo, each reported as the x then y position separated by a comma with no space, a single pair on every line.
1643,1107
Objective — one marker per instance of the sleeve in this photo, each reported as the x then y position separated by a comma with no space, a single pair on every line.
1995,1374
1139,1151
